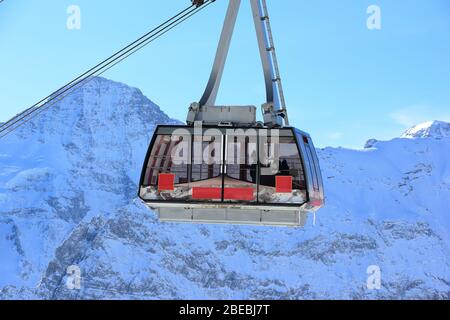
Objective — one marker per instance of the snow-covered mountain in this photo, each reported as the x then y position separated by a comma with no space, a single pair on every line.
430,129
68,184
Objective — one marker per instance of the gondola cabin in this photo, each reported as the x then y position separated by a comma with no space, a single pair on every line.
232,175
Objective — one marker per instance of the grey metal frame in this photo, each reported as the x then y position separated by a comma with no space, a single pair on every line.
274,110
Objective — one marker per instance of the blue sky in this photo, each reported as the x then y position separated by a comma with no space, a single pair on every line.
343,82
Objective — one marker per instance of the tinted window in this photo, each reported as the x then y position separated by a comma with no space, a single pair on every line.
310,159
242,159
312,166
161,159
206,158
289,164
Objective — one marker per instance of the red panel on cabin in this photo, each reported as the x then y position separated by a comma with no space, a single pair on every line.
284,184
243,194
207,193
166,182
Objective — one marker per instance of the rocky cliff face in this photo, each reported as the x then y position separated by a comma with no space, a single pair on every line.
68,183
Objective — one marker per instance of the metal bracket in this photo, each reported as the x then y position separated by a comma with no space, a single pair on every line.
274,110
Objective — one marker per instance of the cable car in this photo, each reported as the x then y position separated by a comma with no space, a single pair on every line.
224,166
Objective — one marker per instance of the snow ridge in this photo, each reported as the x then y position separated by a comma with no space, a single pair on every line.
430,129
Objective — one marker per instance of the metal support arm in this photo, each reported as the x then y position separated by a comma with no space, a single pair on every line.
274,110
212,88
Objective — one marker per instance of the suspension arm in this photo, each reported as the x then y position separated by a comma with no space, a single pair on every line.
274,109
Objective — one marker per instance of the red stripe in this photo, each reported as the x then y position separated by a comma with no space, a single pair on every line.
245,194
207,193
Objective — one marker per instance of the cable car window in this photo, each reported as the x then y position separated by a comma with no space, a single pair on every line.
162,160
206,158
289,164
242,159
287,185
312,166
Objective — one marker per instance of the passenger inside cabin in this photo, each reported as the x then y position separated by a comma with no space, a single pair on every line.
284,168
253,166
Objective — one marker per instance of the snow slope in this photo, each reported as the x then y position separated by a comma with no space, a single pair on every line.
68,184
